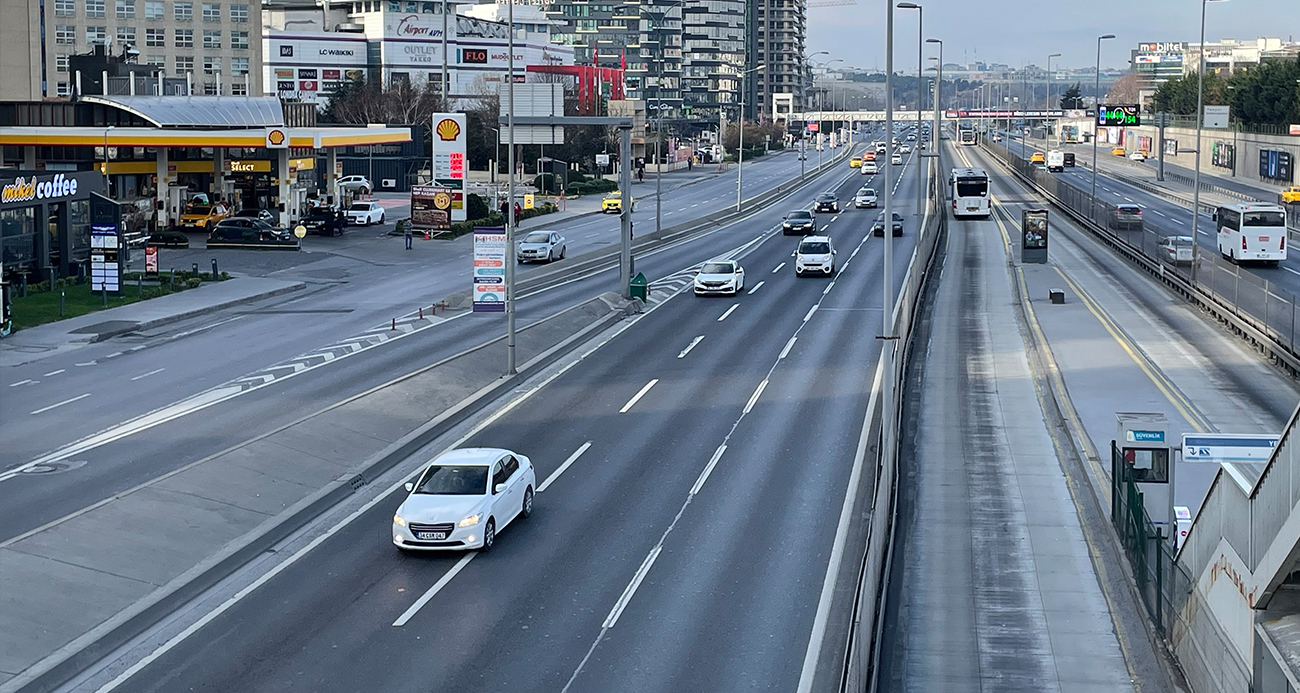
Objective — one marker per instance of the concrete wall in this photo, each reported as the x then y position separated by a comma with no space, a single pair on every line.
1247,145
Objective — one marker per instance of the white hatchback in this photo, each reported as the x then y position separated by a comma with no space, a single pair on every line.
816,254
463,498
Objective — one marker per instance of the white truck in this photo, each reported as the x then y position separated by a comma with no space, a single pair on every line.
1055,161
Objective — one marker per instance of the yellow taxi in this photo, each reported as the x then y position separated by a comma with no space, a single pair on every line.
613,202
1291,194
199,214
1037,158
1117,151
855,162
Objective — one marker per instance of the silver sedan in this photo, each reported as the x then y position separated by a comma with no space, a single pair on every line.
541,246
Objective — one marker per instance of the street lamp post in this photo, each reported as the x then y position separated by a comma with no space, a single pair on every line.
510,192
1047,103
106,131
938,86
886,296
659,119
1200,113
1096,91
920,66
740,149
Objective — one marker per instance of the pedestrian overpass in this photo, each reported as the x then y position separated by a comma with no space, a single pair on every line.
850,117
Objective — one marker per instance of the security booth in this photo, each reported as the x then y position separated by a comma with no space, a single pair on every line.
45,224
1141,457
1033,236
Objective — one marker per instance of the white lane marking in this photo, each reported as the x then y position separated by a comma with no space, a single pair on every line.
733,307
21,382
592,235
563,467
708,469
54,372
1115,194
788,346
437,587
1290,270
1203,233
1180,222
1126,197
756,288
828,288
1156,211
826,226
810,312
638,396
88,363
690,346
754,397
854,253
778,268
630,590
66,401
146,375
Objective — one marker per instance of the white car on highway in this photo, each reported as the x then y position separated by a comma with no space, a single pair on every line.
463,498
869,168
896,159
866,197
720,277
816,254
365,213
541,246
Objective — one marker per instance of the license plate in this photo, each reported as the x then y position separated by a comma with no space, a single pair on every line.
431,536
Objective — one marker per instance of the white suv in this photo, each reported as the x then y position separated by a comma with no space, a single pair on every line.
816,254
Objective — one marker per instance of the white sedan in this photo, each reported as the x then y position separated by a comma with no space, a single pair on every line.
541,246
365,213
720,277
463,499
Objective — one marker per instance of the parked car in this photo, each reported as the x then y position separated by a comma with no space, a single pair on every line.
815,254
199,214
826,202
463,498
866,197
356,184
261,214
168,238
1126,217
324,221
541,246
720,277
365,213
1177,250
250,233
878,226
799,222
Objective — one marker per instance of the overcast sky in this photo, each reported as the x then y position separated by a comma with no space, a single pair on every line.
1016,32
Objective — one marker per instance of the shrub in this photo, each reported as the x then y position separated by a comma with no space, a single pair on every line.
476,207
193,283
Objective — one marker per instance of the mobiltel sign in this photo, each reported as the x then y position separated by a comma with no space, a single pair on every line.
30,189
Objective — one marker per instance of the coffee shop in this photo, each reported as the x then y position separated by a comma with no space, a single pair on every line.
45,223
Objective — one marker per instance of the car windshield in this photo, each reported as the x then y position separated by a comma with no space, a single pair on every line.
248,213
717,268
814,248
537,238
1180,240
826,197
1129,210
459,480
198,208
1263,219
867,192
800,215
320,213
361,207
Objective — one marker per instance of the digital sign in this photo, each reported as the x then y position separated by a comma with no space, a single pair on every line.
474,56
1118,115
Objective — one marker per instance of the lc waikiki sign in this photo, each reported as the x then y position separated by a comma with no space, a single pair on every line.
26,190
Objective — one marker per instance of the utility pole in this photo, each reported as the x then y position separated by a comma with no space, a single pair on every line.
510,192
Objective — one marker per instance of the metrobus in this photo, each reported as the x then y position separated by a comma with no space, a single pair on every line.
966,135
1252,231
969,190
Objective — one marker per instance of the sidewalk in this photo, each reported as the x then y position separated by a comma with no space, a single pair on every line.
35,343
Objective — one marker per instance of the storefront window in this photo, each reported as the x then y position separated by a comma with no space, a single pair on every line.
18,235
79,231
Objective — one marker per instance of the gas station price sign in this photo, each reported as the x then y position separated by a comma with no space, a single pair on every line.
1119,116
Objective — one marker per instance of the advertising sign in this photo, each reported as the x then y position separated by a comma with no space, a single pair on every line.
1223,155
1171,146
449,138
1119,115
151,260
490,270
1033,235
1293,129
105,244
431,207
1275,164
1216,117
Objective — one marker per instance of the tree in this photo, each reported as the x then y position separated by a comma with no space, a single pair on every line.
1178,96
1072,99
1268,94
1124,90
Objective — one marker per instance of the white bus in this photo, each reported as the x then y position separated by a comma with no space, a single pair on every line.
967,137
969,190
1252,231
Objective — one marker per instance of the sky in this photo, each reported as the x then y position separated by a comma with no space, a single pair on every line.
1016,32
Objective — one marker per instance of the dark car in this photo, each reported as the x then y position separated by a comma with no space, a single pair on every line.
826,202
1069,158
1126,218
800,222
324,221
259,214
250,233
169,238
878,227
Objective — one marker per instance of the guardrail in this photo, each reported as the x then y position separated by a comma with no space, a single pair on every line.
1255,309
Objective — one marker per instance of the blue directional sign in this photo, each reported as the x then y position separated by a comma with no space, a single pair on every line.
1220,447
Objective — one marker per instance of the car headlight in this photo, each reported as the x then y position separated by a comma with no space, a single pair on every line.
471,520
397,520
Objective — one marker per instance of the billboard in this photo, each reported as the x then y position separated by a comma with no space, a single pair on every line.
1275,164
1124,115
1223,155
431,207
490,270
449,138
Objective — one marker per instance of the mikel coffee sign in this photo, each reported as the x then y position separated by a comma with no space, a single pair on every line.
31,189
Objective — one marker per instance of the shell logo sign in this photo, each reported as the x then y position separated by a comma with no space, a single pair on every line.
277,139
448,130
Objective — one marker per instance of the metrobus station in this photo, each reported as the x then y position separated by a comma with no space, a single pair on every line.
161,151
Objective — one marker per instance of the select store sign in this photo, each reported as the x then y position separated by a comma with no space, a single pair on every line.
33,189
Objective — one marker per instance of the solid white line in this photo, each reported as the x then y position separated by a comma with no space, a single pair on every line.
20,382
638,396
690,346
66,401
754,397
437,587
788,346
54,373
1285,268
810,312
733,307
630,590
828,288
87,363
756,288
146,375
854,253
556,474
708,469
778,268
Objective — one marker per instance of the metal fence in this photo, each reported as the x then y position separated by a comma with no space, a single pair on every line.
1269,308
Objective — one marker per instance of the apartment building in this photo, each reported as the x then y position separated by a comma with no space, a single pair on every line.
713,56
215,43
777,36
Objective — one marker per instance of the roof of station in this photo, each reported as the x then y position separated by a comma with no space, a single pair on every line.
318,138
199,111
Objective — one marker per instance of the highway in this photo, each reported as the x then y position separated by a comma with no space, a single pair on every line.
680,540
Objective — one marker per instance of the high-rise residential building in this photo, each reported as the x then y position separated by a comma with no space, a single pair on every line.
713,56
777,35
218,41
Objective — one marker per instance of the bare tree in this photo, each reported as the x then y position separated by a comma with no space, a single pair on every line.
1124,90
